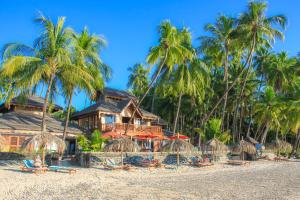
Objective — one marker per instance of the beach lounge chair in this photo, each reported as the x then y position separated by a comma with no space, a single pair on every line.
111,165
29,167
62,169
237,162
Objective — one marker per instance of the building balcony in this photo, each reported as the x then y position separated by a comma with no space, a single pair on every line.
121,127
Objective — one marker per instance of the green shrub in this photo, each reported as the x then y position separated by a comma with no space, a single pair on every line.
97,141
83,143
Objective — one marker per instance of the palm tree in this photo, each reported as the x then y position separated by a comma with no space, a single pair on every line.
280,72
49,57
267,111
167,53
138,79
254,29
258,30
85,56
223,42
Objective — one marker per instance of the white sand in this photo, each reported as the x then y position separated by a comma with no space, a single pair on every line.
262,180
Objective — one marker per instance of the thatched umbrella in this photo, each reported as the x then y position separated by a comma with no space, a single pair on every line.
280,145
3,143
247,147
177,145
217,147
121,145
44,141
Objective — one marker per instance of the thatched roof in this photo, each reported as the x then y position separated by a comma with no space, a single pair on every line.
247,147
217,146
280,145
44,140
173,145
3,143
121,144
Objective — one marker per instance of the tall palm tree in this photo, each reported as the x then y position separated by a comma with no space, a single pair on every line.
167,53
222,41
85,55
49,57
280,72
254,29
267,111
258,30
138,79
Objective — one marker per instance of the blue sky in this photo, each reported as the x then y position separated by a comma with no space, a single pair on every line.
130,26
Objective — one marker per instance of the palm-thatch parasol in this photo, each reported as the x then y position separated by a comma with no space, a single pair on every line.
280,145
246,147
121,145
216,147
3,143
44,141
177,145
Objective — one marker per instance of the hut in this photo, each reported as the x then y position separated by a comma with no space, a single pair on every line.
245,150
216,148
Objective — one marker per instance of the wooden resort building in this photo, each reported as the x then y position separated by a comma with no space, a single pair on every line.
22,119
111,114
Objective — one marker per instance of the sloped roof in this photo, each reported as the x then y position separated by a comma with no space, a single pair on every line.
32,122
147,114
104,107
34,101
117,93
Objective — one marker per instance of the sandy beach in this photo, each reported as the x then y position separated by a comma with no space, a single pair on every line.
261,180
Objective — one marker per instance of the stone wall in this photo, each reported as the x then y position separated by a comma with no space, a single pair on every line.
99,157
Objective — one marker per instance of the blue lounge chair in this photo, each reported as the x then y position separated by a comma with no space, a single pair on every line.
29,167
111,164
62,169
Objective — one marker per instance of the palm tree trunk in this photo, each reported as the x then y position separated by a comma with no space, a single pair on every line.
148,89
234,82
264,136
177,114
175,123
68,116
296,144
43,128
226,87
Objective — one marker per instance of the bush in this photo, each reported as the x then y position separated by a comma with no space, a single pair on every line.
96,141
83,143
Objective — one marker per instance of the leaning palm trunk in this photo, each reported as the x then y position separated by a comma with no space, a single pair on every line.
226,88
231,86
296,144
44,126
175,124
147,91
67,117
264,136
44,141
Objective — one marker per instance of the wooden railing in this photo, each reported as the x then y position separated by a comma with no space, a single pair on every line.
132,127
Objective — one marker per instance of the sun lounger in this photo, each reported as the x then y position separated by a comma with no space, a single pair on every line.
62,169
202,164
278,159
238,162
111,165
29,167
